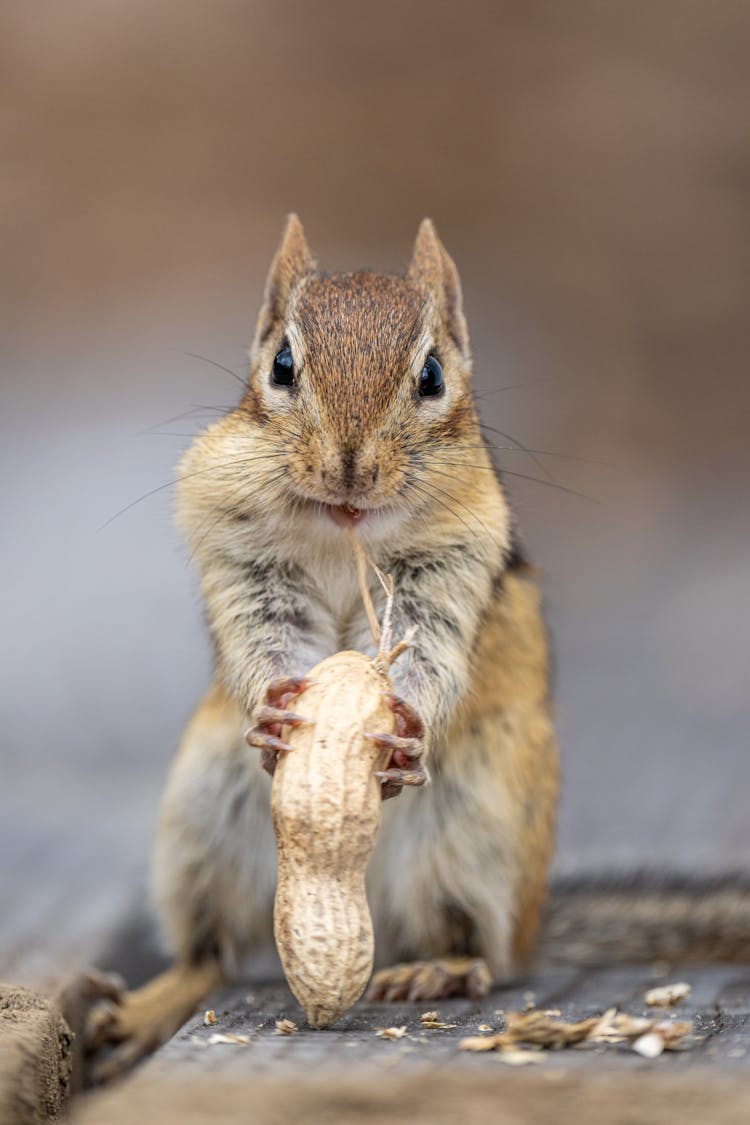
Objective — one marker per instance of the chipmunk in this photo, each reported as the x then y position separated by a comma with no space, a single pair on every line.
358,416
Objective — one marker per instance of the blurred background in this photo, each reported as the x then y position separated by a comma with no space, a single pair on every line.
588,167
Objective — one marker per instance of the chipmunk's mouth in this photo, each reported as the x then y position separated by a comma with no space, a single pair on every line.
344,515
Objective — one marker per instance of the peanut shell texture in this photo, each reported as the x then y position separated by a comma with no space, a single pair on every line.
325,801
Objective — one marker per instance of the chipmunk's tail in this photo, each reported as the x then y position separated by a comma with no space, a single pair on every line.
647,917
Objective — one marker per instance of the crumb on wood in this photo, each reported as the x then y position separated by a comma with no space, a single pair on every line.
391,1032
431,1020
668,995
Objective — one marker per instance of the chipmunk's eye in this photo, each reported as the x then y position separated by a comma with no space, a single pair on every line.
431,379
282,374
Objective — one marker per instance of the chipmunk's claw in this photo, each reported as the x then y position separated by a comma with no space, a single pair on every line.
408,722
395,776
281,692
266,716
270,747
406,746
272,715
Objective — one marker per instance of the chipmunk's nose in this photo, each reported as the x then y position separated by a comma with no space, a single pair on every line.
350,470
360,468
340,472
348,466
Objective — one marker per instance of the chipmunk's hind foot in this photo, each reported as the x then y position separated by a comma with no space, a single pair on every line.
432,980
123,1028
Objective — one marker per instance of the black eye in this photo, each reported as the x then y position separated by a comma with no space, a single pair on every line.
283,368
431,379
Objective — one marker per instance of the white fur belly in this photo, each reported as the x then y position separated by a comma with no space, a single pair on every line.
405,878
443,856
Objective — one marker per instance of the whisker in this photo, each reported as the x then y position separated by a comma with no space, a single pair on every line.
552,484
468,510
509,387
456,500
520,445
459,464
486,444
193,412
427,493
508,472
563,457
405,507
169,433
245,489
178,480
219,366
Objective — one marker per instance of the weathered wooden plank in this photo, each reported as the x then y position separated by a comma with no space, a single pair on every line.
734,996
252,1010
165,1096
35,1059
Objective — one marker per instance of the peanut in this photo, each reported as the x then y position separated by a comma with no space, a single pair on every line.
326,813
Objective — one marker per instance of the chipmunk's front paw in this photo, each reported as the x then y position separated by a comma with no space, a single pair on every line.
272,715
432,980
405,766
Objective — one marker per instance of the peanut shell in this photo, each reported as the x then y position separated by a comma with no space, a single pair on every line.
326,812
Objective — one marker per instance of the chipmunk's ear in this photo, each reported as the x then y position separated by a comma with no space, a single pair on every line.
433,268
293,261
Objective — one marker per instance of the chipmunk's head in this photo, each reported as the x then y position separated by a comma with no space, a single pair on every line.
360,378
